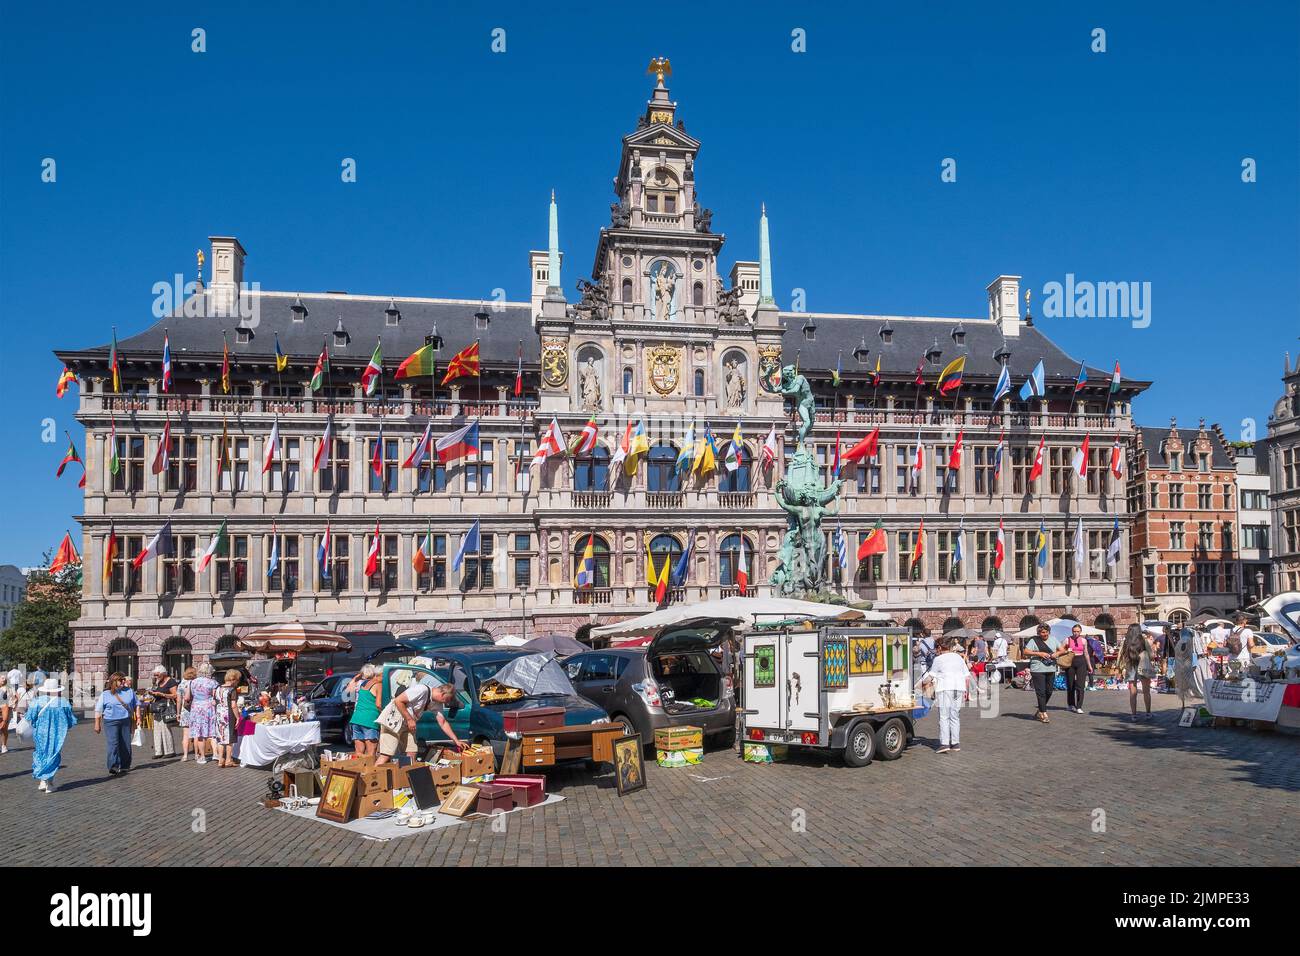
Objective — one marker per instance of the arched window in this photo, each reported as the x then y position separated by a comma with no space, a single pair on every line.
699,382
627,381
124,658
177,654
225,643
729,560
627,291
1106,624
1179,618
599,551
661,469
665,547
697,294
915,625
591,472
952,624
1028,620
991,624
737,480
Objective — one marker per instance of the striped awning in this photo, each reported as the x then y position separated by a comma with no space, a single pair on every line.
294,637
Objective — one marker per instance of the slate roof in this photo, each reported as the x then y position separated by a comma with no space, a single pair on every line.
1153,439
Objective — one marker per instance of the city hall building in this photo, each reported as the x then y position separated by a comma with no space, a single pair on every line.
662,340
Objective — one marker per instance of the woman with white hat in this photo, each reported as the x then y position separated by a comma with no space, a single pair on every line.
50,717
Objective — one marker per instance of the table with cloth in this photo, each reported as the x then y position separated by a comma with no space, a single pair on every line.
268,741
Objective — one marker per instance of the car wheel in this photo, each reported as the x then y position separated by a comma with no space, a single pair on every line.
629,728
348,737
891,739
860,746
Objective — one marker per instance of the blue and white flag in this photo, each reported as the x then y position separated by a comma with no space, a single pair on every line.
273,563
1034,386
1004,384
959,548
469,543
841,548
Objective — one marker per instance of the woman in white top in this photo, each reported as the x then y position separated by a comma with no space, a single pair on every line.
951,679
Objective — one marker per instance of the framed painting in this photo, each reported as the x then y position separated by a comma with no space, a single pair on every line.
765,665
338,799
460,801
629,764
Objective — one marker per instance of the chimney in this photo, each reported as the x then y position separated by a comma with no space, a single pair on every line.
1004,304
227,274
539,266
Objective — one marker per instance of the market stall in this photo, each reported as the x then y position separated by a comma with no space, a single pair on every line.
269,741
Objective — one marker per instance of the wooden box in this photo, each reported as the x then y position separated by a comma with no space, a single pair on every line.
494,798
534,718
529,789
679,738
306,781
477,761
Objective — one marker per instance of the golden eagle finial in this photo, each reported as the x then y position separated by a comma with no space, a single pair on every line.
660,67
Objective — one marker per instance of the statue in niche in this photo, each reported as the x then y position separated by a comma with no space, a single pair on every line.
589,385
665,283
734,386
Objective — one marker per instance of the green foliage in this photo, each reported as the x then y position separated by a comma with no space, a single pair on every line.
39,634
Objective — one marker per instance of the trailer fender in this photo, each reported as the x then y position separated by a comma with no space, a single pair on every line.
840,732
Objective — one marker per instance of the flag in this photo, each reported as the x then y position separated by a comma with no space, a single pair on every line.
706,455
372,556
735,451
110,554
167,364
225,455
873,543
69,455
835,462
1004,384
420,561
273,562
869,447
585,575
1042,545
115,463
66,378
875,376
954,457
161,543
464,362
997,454
281,360
377,456
1037,470
918,552
162,457
324,448
770,448
323,554
1080,548
656,578
519,371
682,569
1000,548
218,546
114,367
322,369
225,367
469,544
421,449
918,462
835,375
273,446
1080,460
373,371
920,373
950,377
1115,380
686,454
585,443
419,363
457,444
742,569
1081,380
1034,385
1112,552
959,546
551,444
638,444
841,548
619,456
1117,459
66,556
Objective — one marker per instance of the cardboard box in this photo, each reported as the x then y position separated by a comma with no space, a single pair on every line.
765,753
532,718
400,781
376,780
444,790
442,776
687,757
529,789
679,738
477,761
356,764
368,803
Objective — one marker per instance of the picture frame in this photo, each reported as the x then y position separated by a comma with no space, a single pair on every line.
460,801
338,799
1188,717
866,656
423,790
629,764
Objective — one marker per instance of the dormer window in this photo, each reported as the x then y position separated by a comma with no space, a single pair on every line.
861,352
933,354
481,319
243,335
435,340
810,330
299,310
391,315
959,334
886,333
340,336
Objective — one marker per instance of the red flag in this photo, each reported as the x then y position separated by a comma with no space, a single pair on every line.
66,556
1081,458
372,556
1117,459
66,378
1036,472
742,569
519,373
918,552
869,447
1000,550
162,457
873,543
464,362
954,457
377,457
920,372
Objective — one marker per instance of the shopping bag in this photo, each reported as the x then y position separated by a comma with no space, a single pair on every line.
24,728
137,738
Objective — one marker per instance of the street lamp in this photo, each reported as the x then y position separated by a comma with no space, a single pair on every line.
1259,584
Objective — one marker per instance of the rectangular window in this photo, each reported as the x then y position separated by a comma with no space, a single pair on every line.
868,476
986,546
1098,546
1022,462
286,577
945,546
907,570
1229,578
1062,547
523,454
386,480
478,469
125,579
1155,496
1175,463
1178,578
1206,577
903,479
338,563
1205,536
1205,497
334,475
178,568
1025,555
1254,536
235,477
983,469
476,572
431,477
871,570
1149,578
183,464
1060,467
1177,536
435,576
232,569
523,560
1175,496
385,577
130,471
1291,530
285,467
1099,471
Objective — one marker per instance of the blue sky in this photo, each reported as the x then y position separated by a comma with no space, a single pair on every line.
1121,166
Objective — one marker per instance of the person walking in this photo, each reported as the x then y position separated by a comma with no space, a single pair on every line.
162,708
115,716
1137,658
183,706
11,691
952,679
203,713
365,713
50,717
1041,650
224,699
1081,666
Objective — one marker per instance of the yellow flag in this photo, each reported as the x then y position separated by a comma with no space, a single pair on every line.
651,576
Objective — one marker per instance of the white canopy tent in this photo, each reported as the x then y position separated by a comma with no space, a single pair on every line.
740,611
1061,627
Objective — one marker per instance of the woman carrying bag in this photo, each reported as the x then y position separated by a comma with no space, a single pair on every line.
115,714
162,708
47,718
950,679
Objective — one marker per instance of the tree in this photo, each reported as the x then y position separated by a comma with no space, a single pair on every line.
39,635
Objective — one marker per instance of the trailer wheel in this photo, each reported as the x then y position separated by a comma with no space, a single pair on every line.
860,746
891,739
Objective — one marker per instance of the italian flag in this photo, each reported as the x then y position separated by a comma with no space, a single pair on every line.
372,556
371,374
1115,380
219,546
742,569
322,369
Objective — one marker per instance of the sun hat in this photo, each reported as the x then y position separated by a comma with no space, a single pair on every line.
51,686
15,677
160,669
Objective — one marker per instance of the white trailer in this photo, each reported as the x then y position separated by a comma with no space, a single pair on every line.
838,688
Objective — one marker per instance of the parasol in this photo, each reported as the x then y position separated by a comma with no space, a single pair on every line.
295,637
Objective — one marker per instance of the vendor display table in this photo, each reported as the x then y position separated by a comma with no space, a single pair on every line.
541,749
269,741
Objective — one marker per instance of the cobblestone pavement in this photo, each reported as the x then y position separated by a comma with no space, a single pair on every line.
1017,793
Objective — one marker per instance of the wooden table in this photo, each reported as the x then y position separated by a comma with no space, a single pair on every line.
542,749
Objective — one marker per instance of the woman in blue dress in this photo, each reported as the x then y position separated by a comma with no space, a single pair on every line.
50,716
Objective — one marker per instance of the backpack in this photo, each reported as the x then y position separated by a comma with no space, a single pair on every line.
1234,642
